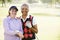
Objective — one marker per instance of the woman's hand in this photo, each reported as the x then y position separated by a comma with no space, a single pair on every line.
28,24
19,35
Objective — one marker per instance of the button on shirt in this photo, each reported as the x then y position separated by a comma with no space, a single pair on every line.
11,26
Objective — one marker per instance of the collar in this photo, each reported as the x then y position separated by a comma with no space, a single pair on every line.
25,18
11,18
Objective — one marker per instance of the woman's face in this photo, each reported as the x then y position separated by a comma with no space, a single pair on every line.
24,10
13,12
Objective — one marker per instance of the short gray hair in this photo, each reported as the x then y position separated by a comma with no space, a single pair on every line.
25,5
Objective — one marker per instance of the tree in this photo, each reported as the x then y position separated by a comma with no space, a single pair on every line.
46,1
58,1
9,0
3,2
32,1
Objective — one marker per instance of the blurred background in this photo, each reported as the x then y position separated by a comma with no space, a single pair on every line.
46,12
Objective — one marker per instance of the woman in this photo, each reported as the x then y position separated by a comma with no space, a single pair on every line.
12,26
29,24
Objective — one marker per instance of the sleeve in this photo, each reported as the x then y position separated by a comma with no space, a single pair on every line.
7,30
34,21
21,29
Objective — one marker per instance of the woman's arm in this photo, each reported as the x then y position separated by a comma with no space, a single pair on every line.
21,28
34,29
20,33
7,29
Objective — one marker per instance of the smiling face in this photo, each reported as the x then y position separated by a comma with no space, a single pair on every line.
13,12
24,9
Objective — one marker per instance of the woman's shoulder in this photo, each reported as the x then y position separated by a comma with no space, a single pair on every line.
6,19
18,18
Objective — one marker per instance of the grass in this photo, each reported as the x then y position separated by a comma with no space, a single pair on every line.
44,14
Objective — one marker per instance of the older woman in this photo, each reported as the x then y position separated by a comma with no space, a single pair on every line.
29,23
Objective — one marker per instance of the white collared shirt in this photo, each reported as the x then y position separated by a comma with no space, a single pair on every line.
33,21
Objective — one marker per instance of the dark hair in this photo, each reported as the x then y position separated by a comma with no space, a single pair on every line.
12,7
